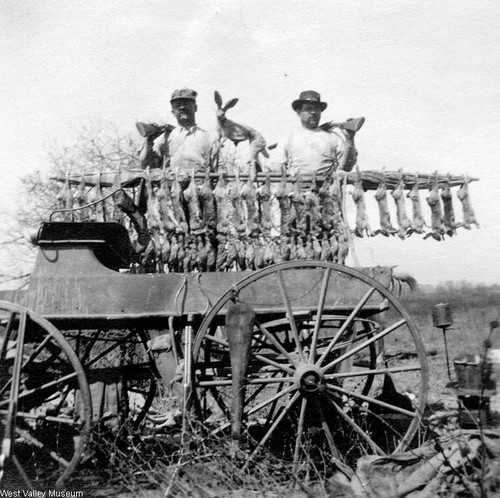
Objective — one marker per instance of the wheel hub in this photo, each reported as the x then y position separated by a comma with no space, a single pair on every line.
309,379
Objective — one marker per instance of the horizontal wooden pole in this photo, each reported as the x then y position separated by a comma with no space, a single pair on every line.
370,178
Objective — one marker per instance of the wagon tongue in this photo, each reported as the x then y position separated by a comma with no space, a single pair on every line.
239,326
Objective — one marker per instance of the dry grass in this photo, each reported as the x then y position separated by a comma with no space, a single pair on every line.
197,465
460,463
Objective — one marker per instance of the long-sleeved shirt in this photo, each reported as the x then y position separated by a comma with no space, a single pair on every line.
309,152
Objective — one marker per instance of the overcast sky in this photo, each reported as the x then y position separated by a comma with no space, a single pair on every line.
425,74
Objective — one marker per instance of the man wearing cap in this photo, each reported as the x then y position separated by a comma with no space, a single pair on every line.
313,150
187,146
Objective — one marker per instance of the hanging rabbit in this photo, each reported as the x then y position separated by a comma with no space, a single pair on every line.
239,133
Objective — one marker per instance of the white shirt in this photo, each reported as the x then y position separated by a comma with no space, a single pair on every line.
307,151
187,148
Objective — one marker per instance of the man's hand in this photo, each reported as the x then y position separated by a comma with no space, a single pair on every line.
353,124
151,131
349,127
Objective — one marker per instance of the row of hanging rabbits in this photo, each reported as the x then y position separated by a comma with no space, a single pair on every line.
443,221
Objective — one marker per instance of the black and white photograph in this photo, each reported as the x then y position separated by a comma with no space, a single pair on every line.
250,249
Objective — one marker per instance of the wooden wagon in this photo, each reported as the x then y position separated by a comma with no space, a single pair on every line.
301,358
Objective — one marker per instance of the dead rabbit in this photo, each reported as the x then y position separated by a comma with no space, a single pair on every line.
239,133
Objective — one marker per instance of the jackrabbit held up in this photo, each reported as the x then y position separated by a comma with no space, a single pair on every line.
239,133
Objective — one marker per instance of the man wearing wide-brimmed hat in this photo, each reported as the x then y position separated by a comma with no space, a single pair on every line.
313,150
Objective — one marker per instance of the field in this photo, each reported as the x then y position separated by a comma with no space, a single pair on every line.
473,308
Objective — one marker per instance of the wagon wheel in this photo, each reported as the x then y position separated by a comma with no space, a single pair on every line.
45,405
324,379
120,371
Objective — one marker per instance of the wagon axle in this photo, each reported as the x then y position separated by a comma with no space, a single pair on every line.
309,379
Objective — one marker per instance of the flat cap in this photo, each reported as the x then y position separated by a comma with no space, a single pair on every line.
183,93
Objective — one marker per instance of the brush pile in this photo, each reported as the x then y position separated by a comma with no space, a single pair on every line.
465,463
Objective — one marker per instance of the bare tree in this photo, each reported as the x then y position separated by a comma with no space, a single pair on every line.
98,147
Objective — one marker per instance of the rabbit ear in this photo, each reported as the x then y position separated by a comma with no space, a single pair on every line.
230,104
218,99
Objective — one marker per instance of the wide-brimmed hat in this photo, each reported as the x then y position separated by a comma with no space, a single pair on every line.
183,93
309,97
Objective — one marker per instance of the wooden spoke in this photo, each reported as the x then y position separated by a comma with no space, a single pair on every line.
354,338
108,350
318,317
28,361
272,339
326,429
138,391
221,342
272,363
374,446
277,396
378,371
259,357
43,387
7,332
22,473
259,341
262,405
221,403
375,338
252,382
269,433
374,401
260,387
290,316
346,325
64,396
35,442
37,351
270,414
300,433
45,418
